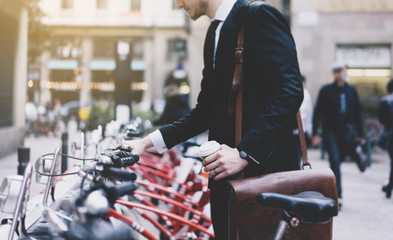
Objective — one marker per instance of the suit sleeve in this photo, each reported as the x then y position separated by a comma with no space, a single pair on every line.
272,43
384,114
358,115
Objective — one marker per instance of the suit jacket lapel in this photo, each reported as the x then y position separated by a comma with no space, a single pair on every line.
229,33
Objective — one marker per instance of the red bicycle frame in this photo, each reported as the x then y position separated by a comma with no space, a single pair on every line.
183,220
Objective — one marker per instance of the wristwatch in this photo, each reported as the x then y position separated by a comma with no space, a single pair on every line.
248,158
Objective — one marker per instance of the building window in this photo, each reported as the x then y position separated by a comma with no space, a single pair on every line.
101,4
67,4
66,47
57,75
369,71
135,5
104,48
102,76
177,49
137,49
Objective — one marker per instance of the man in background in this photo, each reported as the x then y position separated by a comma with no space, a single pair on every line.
338,109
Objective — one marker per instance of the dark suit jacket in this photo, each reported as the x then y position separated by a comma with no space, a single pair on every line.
386,112
327,110
272,91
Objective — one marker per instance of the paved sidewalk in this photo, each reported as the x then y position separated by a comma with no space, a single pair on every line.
38,146
366,213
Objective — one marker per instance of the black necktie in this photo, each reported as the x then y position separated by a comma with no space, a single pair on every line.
210,40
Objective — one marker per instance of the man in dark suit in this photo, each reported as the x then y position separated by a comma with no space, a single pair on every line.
272,94
338,110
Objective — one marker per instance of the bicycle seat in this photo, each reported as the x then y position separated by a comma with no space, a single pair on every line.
308,206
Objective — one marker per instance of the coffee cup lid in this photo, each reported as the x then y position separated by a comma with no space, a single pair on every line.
208,148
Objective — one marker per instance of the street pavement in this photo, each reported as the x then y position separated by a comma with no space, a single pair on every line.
366,213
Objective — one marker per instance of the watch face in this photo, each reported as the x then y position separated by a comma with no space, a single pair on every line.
243,154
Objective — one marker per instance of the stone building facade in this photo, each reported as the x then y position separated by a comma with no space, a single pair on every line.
81,62
356,32
13,69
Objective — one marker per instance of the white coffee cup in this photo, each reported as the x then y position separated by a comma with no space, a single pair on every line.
208,148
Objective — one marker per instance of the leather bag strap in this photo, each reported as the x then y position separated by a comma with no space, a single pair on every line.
237,87
236,99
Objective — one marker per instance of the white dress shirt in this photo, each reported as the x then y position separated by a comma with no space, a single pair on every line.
221,14
306,112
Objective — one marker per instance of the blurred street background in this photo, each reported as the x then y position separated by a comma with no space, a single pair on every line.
68,66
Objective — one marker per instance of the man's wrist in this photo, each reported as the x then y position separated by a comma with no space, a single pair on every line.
146,142
251,161
157,141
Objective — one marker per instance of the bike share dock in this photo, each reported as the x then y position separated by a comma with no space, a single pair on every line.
366,213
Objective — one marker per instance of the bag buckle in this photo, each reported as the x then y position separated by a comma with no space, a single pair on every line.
306,164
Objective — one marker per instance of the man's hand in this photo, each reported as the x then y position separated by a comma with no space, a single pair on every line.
138,146
224,163
316,140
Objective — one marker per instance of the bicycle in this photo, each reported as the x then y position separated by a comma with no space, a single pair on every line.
184,220
307,207
175,224
14,188
174,221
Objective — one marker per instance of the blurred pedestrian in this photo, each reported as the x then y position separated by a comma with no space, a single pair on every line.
386,118
272,94
176,105
306,112
31,114
338,109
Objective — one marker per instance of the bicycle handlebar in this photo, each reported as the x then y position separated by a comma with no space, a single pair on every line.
122,157
124,148
123,189
113,192
125,161
119,174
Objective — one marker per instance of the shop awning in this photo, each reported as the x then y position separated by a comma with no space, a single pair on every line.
102,65
135,65
62,64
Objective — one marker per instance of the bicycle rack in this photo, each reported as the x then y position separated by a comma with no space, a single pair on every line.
9,192
51,179
22,198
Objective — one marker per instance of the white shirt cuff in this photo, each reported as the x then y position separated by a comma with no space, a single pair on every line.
158,141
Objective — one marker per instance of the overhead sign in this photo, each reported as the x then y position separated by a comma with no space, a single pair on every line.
365,56
308,18
102,65
62,64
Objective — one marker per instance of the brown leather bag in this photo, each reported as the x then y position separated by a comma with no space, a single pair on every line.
250,220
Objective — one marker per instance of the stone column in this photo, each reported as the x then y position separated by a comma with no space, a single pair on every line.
44,95
149,71
20,72
85,73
